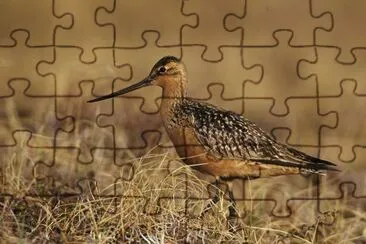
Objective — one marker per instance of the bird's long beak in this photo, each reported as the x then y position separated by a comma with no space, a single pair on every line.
143,83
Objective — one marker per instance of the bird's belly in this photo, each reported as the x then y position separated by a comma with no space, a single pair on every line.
231,169
193,153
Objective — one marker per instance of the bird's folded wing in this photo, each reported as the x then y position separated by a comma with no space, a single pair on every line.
227,135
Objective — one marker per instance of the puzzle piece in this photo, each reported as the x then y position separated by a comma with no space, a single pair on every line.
262,18
126,134
72,177
275,84
141,66
85,32
216,91
311,208
252,199
69,70
347,148
86,134
350,172
201,34
349,133
42,121
328,214
18,158
190,182
347,195
300,109
29,16
329,82
153,142
150,18
347,16
230,71
22,54
278,190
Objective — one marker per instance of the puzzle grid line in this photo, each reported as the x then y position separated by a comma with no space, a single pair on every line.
111,54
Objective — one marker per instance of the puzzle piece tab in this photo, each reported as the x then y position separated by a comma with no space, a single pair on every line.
141,65
280,78
22,54
202,34
345,194
300,109
86,134
216,91
329,82
42,121
126,134
85,32
262,18
69,70
230,71
346,30
149,141
35,17
72,177
278,190
18,158
350,133
168,22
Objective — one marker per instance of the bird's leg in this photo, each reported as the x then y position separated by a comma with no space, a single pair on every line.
232,219
215,198
232,206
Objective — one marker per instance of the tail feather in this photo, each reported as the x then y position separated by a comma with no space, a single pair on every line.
321,164
312,164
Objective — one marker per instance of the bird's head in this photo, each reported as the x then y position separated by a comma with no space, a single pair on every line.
168,73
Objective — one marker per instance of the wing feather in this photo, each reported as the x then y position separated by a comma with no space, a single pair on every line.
227,135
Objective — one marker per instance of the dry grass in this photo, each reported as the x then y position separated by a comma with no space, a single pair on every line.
145,214
161,202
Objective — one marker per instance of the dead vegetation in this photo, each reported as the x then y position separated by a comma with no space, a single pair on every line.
143,213
156,199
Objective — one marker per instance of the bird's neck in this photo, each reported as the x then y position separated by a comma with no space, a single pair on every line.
175,89
174,93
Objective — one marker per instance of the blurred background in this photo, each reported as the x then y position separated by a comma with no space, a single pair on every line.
296,68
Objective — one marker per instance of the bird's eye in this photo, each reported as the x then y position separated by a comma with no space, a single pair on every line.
162,69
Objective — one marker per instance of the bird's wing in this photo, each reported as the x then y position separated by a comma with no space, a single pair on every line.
228,135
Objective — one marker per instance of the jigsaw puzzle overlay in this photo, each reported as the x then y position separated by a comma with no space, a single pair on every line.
296,68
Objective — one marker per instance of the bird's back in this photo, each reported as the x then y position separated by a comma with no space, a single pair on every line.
227,136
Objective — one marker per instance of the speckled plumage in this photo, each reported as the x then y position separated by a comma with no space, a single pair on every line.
227,135
215,141
233,144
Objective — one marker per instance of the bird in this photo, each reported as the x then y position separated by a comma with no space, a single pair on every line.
215,141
